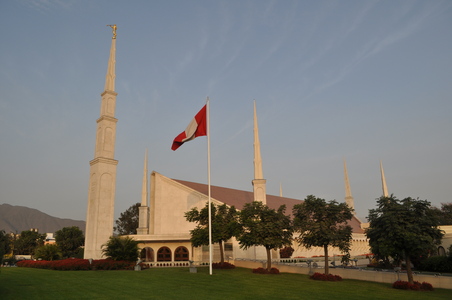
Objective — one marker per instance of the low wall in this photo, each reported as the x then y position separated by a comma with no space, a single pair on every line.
444,282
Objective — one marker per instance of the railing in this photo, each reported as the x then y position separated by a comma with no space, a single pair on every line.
362,259
388,276
172,264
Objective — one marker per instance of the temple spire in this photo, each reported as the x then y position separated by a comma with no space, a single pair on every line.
110,77
143,211
102,182
280,190
144,187
383,181
258,174
348,192
259,183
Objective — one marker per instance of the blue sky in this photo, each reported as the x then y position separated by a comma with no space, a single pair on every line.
360,80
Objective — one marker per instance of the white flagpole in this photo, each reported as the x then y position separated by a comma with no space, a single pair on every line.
208,184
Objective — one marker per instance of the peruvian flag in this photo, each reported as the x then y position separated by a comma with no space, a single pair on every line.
197,127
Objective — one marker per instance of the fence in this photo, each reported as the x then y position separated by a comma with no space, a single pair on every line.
437,280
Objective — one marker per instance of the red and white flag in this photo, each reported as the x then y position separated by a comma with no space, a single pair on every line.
197,127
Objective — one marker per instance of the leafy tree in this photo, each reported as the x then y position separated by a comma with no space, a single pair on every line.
48,252
28,241
263,226
404,229
69,240
121,248
127,222
444,214
322,224
224,225
5,244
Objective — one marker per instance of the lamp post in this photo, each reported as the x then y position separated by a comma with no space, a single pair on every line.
309,262
397,270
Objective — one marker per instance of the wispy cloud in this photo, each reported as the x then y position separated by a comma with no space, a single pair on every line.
377,43
44,6
245,127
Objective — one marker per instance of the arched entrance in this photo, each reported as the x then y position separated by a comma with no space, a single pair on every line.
147,254
164,254
181,254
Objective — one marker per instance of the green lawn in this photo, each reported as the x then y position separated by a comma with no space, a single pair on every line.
179,283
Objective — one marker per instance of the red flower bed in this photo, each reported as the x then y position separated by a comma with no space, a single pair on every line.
265,271
224,265
76,264
323,277
416,286
108,264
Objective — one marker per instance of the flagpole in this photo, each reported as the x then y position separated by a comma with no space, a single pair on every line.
208,184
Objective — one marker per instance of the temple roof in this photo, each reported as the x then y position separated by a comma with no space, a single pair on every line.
238,198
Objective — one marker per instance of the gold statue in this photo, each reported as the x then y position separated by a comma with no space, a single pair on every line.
114,30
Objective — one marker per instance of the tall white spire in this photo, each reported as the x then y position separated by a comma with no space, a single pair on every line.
348,192
259,183
143,211
102,182
144,186
383,181
258,174
110,77
280,190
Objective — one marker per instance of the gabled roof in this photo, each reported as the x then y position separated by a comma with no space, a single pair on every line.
238,198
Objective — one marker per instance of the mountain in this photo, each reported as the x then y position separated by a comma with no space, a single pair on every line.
20,218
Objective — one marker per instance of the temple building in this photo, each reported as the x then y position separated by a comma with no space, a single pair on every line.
164,233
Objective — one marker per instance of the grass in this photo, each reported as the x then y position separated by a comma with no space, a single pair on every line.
179,283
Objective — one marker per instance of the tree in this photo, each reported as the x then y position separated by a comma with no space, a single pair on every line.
121,248
322,224
48,252
28,241
5,244
263,226
224,225
69,240
127,222
444,214
404,229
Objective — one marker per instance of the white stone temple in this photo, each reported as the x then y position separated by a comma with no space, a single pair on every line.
163,232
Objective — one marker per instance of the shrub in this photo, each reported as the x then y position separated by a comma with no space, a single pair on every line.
425,286
286,252
77,264
441,264
224,265
265,271
10,261
70,265
110,264
415,286
121,248
324,277
48,252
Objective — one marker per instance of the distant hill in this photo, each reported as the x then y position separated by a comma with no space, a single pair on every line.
20,218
